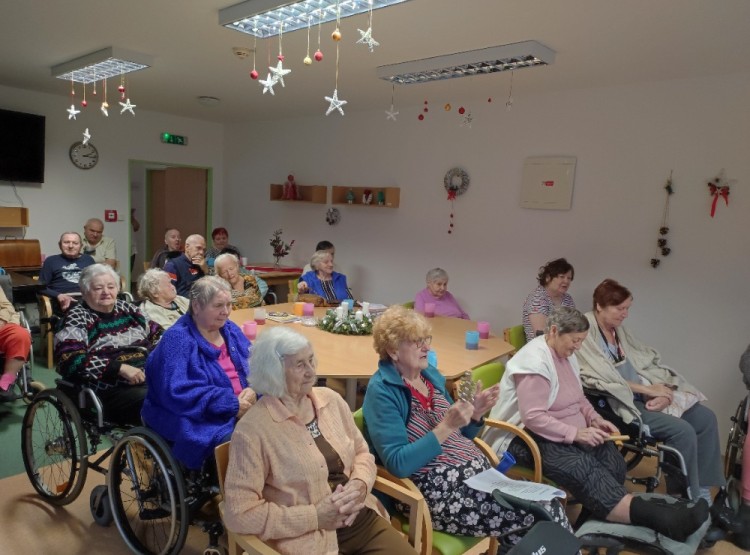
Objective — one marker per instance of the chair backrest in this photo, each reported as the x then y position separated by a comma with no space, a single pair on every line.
221,452
490,374
409,304
516,336
359,419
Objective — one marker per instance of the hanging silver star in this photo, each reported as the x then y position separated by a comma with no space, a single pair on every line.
336,104
279,72
72,112
268,84
366,38
390,114
127,107
86,136
468,118
104,107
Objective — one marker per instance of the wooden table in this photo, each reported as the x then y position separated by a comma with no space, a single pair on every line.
353,357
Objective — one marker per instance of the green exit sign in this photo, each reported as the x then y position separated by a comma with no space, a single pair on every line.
174,139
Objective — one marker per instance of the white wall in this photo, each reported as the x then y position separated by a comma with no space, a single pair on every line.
627,140
70,196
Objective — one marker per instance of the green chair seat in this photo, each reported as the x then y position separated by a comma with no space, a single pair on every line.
446,544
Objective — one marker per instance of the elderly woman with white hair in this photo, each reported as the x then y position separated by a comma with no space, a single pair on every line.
300,472
322,280
161,303
198,376
247,290
437,293
104,343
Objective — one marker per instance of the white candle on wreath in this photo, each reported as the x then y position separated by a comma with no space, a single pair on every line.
358,316
365,307
339,312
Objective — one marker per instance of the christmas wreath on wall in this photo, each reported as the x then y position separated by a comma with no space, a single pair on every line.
456,182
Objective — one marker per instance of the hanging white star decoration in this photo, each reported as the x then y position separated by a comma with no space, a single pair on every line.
279,72
391,114
366,38
127,107
268,84
86,136
104,109
335,103
72,112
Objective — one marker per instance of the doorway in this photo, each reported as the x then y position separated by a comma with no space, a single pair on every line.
166,196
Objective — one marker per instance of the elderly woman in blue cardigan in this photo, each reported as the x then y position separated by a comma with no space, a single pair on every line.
322,280
198,376
416,430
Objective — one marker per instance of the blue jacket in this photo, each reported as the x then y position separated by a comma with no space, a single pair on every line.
190,401
386,410
183,273
316,287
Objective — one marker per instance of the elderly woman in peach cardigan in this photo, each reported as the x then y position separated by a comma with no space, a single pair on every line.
300,472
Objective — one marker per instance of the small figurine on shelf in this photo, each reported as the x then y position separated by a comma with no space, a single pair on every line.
381,198
350,197
367,196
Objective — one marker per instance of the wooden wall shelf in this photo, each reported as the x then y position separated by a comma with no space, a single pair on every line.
11,216
315,194
392,196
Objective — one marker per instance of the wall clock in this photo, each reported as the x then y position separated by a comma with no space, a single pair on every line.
84,156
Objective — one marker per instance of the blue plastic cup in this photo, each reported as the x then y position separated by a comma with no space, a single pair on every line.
472,340
506,461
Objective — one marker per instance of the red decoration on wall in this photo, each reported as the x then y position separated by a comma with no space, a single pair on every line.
718,187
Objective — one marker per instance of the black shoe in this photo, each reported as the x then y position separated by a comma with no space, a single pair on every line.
725,518
713,535
9,395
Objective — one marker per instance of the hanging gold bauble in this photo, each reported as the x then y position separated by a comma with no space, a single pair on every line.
336,35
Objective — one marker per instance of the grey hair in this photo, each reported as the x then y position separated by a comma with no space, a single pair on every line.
267,361
59,241
436,274
205,289
148,283
90,272
318,256
566,320
226,257
194,237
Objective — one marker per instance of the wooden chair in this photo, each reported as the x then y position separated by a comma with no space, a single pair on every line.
252,545
408,304
442,543
293,291
516,336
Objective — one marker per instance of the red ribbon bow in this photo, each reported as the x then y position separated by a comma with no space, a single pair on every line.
717,191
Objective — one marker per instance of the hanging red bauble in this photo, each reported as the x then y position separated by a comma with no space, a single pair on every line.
84,103
462,110
253,74
318,55
489,99
420,117
426,109
121,89
280,57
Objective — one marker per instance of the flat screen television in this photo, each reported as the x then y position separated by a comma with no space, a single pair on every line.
21,147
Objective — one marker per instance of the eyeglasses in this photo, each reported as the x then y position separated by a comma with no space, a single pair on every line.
424,341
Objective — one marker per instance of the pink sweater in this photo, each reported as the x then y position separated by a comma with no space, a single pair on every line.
569,412
447,305
276,474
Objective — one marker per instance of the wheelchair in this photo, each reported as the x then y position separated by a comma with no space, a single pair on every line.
669,461
734,453
147,495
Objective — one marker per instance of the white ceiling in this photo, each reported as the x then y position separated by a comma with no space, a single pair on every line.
599,43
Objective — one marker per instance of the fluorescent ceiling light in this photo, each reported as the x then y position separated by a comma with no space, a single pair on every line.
263,18
466,64
102,64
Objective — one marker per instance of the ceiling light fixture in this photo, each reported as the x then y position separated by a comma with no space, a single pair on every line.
507,57
263,18
102,64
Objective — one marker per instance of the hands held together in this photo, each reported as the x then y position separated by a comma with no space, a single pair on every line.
661,396
342,507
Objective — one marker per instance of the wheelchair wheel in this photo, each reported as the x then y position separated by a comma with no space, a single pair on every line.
733,453
147,492
101,509
53,446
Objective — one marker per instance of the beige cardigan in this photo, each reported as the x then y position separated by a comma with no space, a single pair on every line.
7,312
276,474
599,372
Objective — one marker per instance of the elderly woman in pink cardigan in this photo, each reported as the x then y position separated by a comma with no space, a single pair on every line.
300,472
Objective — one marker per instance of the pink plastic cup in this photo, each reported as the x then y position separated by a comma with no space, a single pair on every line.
250,329
429,310
484,330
